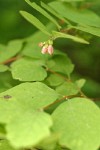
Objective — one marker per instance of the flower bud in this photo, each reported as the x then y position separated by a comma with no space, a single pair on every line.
40,44
44,50
50,49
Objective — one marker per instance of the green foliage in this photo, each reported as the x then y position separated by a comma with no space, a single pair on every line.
48,8
3,68
54,80
4,145
74,38
20,126
88,29
42,11
79,130
10,50
34,21
26,70
67,88
75,15
64,61
37,94
41,106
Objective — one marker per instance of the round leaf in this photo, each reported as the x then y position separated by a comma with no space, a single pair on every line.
78,122
34,95
25,70
28,129
67,88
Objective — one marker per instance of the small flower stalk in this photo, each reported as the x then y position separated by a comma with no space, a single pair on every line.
47,47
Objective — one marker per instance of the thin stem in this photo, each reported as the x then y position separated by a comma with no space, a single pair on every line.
10,60
69,80
66,79
59,100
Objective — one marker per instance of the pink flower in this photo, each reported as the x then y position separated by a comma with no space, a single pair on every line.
44,50
50,49
46,47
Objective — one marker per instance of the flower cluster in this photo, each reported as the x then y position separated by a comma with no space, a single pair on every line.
47,47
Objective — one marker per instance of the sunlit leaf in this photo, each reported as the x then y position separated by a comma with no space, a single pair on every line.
78,122
25,129
67,88
26,70
4,145
3,68
37,95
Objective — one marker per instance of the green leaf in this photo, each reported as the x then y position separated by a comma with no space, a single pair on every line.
59,52
49,9
8,108
33,50
4,145
89,29
97,102
61,64
6,81
25,129
80,83
33,20
43,12
36,95
23,123
3,68
49,143
2,48
82,17
39,36
2,131
78,122
11,50
67,89
68,36
54,80
26,70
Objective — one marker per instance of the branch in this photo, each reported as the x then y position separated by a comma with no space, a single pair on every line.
10,60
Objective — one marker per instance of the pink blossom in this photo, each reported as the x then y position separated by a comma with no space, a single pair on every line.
44,50
50,49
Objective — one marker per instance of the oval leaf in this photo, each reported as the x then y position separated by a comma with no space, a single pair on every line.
25,129
43,12
33,20
82,17
68,36
36,95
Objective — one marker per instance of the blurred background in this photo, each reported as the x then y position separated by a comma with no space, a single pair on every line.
85,57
